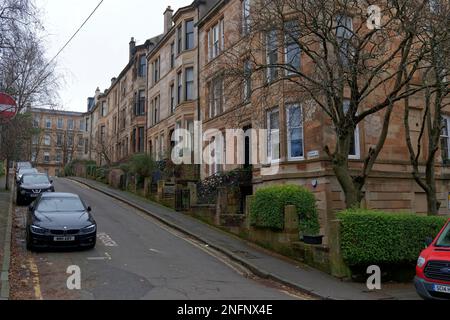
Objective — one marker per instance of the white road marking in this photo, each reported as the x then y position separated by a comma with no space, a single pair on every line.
106,257
106,240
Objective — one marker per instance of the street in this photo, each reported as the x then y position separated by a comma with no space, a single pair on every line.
136,257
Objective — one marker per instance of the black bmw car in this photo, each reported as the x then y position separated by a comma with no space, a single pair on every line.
60,220
30,186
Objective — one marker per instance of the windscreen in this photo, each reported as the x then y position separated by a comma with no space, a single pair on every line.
50,205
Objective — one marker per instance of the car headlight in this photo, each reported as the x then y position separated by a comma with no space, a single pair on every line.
22,192
38,230
89,229
421,262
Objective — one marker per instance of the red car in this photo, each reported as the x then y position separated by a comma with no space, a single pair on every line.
433,268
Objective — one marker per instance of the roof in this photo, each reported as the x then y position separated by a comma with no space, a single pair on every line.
59,195
56,112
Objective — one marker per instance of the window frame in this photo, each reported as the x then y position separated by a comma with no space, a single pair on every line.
288,131
270,134
189,84
357,155
189,35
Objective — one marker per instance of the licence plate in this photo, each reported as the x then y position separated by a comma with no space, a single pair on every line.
442,289
33,195
64,239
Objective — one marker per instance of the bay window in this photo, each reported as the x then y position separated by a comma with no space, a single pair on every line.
273,135
295,137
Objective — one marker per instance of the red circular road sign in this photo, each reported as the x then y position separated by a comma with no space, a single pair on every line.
8,107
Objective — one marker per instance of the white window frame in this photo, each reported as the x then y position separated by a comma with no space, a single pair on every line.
357,155
288,42
270,133
447,137
246,17
47,122
268,55
288,135
47,140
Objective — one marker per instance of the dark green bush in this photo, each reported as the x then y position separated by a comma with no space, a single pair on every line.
374,237
267,208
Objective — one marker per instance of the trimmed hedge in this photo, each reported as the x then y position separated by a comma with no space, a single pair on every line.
375,237
267,208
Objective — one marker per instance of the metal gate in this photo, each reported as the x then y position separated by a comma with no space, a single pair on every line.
182,200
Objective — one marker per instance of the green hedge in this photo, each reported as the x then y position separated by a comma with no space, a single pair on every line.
374,237
267,208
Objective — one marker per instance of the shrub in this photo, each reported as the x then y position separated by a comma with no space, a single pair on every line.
2,170
142,165
267,208
374,237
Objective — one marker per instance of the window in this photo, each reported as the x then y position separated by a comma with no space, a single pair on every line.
142,66
172,55
48,123
141,103
34,156
344,34
86,146
82,126
156,110
60,123
247,80
271,55
35,140
141,139
47,140
292,54
80,141
36,122
295,139
172,98
216,97
245,17
189,42
133,140
216,40
46,157
58,157
161,146
70,124
273,135
104,109
87,125
189,83
156,69
179,39
180,87
70,141
445,139
355,151
59,140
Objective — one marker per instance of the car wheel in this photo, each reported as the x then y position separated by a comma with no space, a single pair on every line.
18,200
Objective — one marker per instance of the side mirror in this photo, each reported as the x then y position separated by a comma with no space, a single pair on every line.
31,208
51,181
89,209
428,241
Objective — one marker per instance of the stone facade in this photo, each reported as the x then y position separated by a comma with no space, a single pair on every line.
60,139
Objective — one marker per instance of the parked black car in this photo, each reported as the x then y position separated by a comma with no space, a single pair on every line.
60,220
30,186
22,165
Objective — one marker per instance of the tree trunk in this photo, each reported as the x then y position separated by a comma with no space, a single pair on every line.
432,202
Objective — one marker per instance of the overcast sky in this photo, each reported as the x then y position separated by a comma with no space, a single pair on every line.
100,50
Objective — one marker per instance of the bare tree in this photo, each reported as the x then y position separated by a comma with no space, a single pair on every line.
102,147
423,138
329,55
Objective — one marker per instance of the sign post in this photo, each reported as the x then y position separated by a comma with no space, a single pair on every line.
8,110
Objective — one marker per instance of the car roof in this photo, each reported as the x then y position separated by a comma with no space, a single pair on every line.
35,174
59,195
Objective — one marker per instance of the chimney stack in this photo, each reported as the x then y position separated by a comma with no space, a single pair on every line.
168,14
132,48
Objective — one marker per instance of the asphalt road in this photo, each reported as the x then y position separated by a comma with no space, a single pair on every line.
137,258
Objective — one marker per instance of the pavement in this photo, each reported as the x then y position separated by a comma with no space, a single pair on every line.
261,262
5,238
